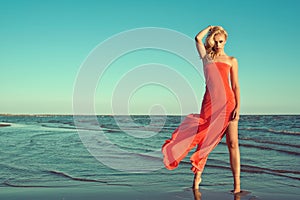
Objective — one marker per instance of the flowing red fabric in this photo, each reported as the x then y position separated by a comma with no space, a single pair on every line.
207,128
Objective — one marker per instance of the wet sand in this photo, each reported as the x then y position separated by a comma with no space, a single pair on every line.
126,193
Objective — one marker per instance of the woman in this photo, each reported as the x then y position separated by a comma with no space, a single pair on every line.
219,113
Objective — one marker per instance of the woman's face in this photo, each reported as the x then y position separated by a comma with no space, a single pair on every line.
220,41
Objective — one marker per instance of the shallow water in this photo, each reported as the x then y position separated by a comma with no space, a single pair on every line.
47,151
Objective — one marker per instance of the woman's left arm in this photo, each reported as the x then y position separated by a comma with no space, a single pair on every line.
236,88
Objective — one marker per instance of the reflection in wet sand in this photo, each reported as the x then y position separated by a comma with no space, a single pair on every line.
197,195
237,197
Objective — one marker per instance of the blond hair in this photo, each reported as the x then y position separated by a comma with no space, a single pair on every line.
210,42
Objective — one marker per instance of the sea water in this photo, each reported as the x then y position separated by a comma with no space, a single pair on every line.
48,151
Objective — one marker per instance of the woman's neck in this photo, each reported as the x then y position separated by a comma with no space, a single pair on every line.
220,53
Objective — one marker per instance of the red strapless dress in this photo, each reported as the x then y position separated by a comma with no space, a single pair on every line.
207,128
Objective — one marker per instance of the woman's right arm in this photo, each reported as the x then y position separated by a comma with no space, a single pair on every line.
199,37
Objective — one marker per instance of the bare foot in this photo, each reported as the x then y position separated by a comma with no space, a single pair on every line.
197,181
236,191
237,187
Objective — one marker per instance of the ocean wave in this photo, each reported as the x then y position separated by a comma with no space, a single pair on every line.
138,149
19,185
255,170
62,174
275,172
4,125
59,127
270,148
15,169
269,142
272,130
261,169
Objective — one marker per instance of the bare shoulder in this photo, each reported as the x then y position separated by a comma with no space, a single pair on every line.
234,61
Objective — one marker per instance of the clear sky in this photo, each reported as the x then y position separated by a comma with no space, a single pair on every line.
44,43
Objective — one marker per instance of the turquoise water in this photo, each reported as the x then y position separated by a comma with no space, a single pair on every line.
47,152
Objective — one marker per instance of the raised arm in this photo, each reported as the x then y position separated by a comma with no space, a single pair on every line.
199,37
235,88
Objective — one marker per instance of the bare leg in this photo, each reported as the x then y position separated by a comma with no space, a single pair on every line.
234,153
197,180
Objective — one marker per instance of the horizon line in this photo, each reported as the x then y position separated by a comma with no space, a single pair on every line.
132,114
